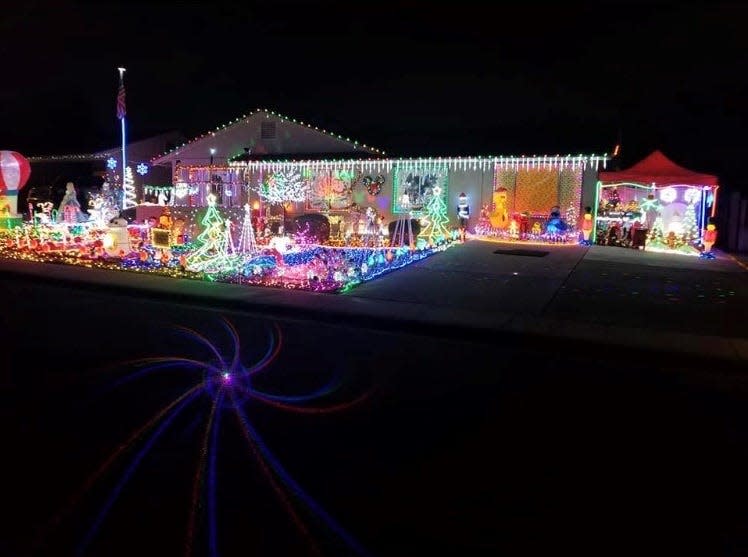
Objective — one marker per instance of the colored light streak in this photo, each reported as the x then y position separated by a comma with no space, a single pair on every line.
227,381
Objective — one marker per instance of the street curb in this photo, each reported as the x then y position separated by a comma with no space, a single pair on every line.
394,317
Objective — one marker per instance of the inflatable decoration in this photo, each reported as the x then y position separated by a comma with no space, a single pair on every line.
14,173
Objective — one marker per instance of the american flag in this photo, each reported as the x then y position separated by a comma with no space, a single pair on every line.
121,101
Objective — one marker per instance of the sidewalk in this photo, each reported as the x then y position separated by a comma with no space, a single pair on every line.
598,297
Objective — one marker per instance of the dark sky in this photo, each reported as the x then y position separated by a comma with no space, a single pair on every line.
412,78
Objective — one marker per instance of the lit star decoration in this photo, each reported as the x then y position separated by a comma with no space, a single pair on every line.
111,163
142,169
231,389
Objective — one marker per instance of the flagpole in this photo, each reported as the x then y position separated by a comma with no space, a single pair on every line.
124,156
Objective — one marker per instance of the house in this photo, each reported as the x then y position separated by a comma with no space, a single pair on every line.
262,157
50,173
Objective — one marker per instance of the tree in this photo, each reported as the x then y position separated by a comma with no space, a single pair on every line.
247,242
211,217
129,187
690,227
217,245
281,187
656,234
436,210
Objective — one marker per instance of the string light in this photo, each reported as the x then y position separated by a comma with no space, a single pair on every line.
268,114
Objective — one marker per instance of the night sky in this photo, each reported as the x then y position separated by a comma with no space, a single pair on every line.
412,78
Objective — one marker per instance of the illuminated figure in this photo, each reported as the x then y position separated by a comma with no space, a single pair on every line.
587,226
117,239
500,216
710,236
69,207
463,213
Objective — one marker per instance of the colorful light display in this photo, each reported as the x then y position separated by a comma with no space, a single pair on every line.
283,263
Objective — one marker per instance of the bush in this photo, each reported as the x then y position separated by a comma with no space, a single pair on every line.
314,226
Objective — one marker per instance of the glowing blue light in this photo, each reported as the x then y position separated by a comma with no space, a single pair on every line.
111,163
142,169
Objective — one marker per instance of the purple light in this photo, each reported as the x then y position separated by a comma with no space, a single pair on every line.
226,377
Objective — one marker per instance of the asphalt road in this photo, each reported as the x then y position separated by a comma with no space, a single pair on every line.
450,446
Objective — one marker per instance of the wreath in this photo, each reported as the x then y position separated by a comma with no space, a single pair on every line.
374,186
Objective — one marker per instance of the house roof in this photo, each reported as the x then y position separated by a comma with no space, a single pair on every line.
263,132
657,169
137,151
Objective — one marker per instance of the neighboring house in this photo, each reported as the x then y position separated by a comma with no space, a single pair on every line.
50,173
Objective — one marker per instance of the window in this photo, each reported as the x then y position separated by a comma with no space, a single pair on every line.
267,130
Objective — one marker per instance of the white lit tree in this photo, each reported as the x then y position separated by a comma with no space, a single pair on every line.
247,242
690,227
281,187
129,188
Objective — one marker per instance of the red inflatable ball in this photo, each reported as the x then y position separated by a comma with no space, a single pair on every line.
14,171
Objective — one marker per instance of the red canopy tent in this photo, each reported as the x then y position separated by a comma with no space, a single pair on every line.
659,170
659,173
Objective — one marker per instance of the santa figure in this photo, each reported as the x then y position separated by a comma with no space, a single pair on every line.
463,213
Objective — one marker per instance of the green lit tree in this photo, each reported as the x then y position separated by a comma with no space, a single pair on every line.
211,217
436,211
656,233
217,246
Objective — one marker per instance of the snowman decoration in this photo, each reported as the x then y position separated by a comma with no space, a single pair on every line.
463,213
117,239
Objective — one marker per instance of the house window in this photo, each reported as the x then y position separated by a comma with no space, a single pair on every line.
267,130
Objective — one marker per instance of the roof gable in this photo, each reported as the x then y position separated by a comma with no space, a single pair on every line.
264,133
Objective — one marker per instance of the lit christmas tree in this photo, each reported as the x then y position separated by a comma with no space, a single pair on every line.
215,253
690,227
656,234
211,217
247,242
436,209
102,205
129,189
